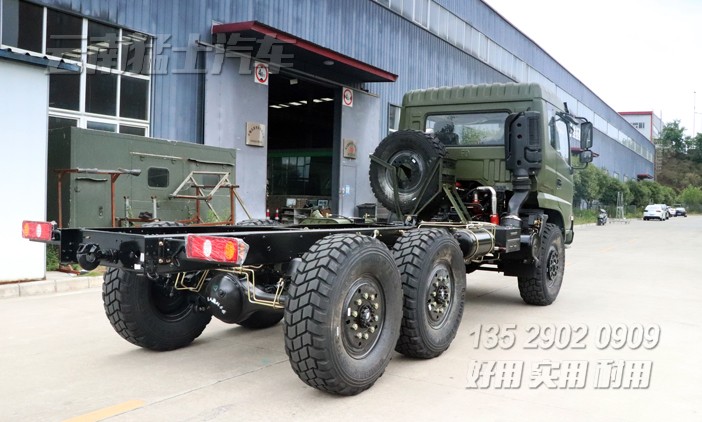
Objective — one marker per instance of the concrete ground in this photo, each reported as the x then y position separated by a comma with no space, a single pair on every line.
627,324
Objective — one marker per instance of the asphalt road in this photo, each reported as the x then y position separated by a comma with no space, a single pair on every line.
621,343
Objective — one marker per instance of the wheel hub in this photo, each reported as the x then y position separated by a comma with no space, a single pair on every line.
408,170
552,266
439,295
364,318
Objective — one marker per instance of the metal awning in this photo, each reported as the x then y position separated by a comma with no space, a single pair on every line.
298,54
36,60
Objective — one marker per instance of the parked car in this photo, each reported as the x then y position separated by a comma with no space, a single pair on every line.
654,212
680,212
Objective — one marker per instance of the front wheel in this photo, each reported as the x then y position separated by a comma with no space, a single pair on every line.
342,317
151,314
541,287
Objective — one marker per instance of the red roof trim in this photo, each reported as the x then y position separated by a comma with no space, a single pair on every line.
299,42
635,113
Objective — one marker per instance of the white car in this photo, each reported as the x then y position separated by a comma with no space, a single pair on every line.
654,211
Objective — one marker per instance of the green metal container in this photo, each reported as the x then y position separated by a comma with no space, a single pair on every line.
98,169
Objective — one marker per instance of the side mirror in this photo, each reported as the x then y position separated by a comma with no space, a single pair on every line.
586,133
585,157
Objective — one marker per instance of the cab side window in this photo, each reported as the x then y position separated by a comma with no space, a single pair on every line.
558,134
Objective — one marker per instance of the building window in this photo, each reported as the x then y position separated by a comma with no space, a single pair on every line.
22,25
64,91
134,94
60,122
64,35
132,130
101,93
393,118
104,126
113,89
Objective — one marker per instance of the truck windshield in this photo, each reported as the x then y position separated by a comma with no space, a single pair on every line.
471,129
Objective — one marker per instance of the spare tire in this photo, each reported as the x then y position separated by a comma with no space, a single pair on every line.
413,155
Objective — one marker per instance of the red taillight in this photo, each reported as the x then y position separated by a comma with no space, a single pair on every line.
218,249
495,219
37,230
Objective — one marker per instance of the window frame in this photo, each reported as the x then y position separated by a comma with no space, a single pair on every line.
506,113
81,114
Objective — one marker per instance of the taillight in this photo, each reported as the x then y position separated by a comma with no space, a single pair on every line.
218,249
37,230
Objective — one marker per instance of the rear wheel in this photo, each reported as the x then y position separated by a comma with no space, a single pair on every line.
342,318
433,282
541,287
152,314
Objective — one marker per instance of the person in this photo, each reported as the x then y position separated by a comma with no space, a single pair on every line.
445,133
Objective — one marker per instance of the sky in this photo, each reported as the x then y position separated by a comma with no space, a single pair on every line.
636,55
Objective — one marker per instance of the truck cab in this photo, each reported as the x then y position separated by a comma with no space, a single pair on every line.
470,122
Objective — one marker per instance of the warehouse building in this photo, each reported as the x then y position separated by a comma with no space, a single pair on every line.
303,89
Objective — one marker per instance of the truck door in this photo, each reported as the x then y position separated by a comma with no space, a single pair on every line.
558,178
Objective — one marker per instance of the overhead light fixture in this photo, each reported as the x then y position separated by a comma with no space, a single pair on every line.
327,99
328,62
283,105
275,106
295,103
302,101
317,100
293,81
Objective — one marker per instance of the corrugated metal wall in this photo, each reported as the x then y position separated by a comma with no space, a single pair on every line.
361,29
482,17
358,28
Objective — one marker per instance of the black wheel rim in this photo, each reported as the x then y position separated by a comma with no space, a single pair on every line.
363,316
409,168
439,295
170,304
553,263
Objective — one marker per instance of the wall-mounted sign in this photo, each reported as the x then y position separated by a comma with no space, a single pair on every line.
347,97
349,148
255,134
261,73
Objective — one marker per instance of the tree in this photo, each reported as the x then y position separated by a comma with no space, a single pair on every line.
588,184
691,195
611,189
656,192
640,193
673,138
694,151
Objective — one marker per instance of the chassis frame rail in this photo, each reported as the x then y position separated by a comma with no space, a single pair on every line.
161,250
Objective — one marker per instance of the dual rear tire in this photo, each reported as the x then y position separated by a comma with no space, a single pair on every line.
352,302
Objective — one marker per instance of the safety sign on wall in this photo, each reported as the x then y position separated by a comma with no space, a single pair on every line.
347,97
261,73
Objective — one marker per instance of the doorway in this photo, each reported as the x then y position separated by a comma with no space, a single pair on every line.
301,139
